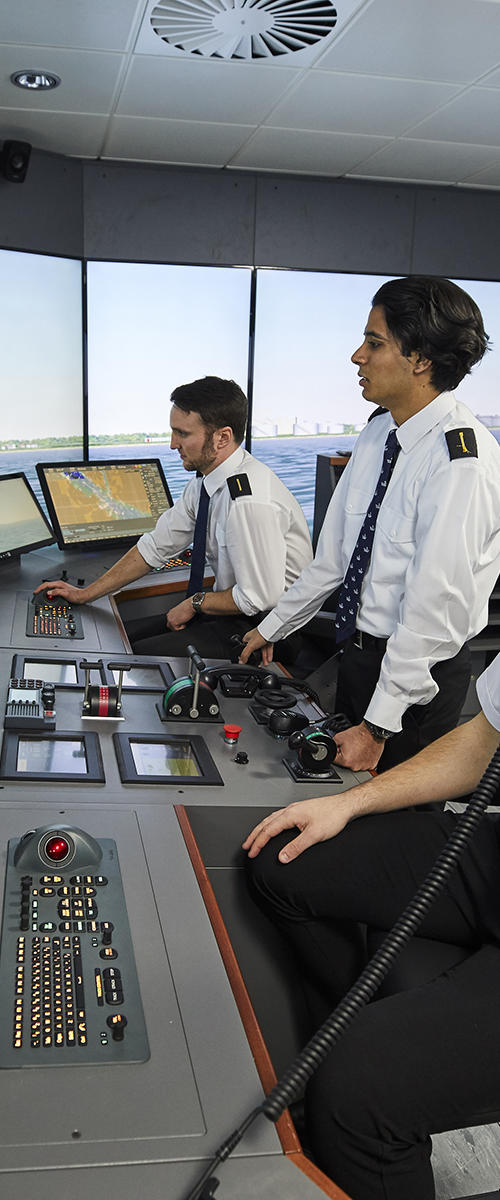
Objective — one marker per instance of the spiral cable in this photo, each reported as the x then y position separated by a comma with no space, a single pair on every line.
291,1085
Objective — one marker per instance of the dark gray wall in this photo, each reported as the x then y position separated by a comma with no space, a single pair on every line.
45,213
162,214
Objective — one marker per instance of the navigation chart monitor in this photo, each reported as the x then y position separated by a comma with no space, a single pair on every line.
23,525
107,502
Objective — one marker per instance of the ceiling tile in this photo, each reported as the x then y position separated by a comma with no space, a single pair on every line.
92,25
448,40
490,177
186,142
88,79
472,117
320,153
190,89
358,103
75,134
492,79
444,162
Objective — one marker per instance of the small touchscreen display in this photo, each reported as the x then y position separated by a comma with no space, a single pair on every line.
51,756
157,758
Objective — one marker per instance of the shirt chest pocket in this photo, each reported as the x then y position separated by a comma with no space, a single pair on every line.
395,527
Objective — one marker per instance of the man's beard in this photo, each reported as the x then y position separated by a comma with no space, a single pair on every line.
206,459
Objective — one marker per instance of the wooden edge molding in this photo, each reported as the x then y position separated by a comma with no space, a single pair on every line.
156,589
284,1126
141,593
121,628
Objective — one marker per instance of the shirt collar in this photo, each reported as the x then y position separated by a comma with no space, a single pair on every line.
215,479
415,428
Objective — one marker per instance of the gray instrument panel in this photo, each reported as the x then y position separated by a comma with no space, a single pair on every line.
67,968
153,1123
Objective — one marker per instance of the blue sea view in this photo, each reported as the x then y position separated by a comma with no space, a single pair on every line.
292,458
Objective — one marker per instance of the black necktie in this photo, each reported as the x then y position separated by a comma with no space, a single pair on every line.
350,592
199,543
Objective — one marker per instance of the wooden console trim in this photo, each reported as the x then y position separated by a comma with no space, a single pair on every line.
156,589
284,1126
120,626
142,593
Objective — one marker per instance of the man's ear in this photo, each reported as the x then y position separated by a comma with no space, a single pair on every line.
223,437
420,363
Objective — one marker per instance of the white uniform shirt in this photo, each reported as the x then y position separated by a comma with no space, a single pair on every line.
488,690
256,544
435,557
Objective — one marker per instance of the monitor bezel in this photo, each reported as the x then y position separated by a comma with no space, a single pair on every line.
8,555
209,774
125,541
40,658
8,758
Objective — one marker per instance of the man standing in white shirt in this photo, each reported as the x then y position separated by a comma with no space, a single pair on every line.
430,519
249,527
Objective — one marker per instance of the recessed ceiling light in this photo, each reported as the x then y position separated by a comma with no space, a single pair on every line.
35,81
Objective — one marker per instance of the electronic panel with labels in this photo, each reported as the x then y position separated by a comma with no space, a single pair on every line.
30,705
53,619
69,993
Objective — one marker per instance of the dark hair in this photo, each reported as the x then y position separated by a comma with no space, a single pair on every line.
437,319
217,401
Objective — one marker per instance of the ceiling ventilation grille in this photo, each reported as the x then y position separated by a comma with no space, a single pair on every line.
243,29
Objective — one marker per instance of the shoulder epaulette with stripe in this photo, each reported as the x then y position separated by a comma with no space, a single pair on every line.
239,485
461,443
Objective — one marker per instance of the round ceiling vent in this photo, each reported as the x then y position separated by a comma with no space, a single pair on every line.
243,29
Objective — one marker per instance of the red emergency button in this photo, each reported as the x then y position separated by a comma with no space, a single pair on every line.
231,734
57,848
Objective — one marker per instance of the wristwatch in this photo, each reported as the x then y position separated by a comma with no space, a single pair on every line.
197,600
380,735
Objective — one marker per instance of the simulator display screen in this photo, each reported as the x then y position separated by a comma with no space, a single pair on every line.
154,758
51,757
104,501
50,672
22,523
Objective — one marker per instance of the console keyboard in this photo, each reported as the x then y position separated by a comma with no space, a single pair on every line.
53,618
67,970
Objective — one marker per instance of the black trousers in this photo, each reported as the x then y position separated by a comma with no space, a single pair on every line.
211,636
415,1063
422,723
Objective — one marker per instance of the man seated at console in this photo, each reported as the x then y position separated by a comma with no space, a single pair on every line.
412,532
241,516
423,1060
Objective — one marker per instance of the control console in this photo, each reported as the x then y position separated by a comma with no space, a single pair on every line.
53,618
69,992
30,705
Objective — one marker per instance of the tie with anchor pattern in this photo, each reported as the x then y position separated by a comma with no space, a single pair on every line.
350,592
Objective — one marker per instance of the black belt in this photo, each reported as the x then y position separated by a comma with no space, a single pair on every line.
365,641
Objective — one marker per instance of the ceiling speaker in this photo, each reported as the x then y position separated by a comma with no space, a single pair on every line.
14,161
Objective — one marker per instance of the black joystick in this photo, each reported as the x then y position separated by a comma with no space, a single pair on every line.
117,1023
282,722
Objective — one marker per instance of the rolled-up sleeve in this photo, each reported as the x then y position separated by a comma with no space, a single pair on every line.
318,580
256,543
172,533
